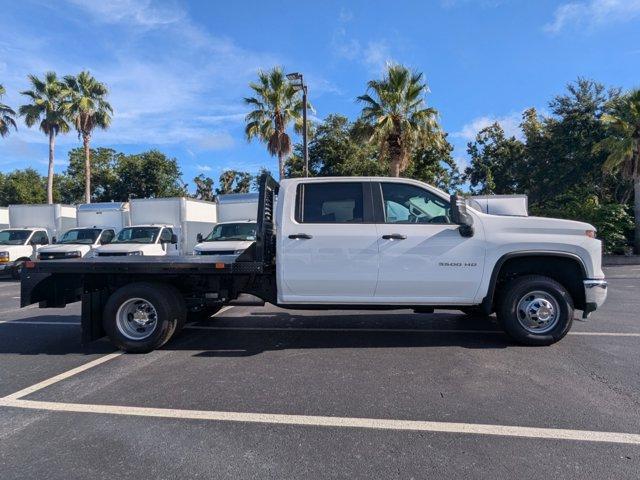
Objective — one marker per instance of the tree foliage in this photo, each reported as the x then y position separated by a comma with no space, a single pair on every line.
276,103
396,118
557,161
7,116
47,107
88,109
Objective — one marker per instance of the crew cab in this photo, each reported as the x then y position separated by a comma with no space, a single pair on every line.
366,243
227,238
77,243
139,240
17,246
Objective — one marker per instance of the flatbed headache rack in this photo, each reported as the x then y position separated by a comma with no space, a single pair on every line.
54,284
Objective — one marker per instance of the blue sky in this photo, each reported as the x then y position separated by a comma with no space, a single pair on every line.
177,70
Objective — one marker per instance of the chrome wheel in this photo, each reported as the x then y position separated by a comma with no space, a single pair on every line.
137,319
538,312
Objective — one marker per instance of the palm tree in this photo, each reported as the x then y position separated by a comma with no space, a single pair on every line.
48,107
87,109
275,105
623,146
6,116
396,117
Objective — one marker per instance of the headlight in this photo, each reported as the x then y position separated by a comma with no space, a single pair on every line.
75,254
238,252
197,252
4,257
135,253
590,233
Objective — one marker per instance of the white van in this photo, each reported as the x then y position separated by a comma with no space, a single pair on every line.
227,238
31,228
162,226
97,225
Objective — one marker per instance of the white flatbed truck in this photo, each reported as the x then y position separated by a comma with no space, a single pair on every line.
339,243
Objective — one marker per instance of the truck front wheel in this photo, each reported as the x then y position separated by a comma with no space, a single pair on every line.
141,317
535,310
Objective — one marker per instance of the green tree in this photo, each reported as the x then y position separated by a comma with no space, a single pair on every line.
255,183
7,116
337,149
87,109
104,162
232,181
22,186
47,107
147,175
276,104
204,188
398,119
623,147
497,162
435,165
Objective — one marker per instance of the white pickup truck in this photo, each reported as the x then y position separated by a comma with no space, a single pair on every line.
336,243
18,245
227,238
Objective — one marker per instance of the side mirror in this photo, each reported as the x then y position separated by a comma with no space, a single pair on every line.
460,216
54,240
199,238
174,239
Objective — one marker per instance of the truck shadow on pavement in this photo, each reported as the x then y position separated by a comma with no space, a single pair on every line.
348,331
261,332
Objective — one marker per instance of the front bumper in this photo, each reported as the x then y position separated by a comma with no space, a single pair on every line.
595,294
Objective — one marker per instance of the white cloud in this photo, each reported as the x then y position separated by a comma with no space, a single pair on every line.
170,81
509,123
142,13
374,54
203,168
592,14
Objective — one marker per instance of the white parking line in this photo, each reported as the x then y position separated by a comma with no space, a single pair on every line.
58,378
339,422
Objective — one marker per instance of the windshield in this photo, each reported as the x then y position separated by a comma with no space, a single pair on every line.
137,235
232,231
84,236
14,237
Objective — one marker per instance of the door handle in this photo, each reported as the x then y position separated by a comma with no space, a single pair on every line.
300,236
394,236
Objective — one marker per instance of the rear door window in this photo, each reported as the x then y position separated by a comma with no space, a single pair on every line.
330,202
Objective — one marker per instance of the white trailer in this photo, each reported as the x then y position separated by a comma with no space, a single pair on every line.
237,207
162,226
55,219
4,217
107,214
510,205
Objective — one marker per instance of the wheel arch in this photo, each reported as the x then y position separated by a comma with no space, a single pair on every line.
570,273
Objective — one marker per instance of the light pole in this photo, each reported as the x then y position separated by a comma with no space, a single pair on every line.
297,81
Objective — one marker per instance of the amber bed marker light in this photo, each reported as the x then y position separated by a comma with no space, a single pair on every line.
220,265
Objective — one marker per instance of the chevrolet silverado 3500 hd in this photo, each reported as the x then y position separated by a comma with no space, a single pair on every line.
365,243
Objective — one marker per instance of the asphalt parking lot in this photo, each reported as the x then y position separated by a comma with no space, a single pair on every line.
269,393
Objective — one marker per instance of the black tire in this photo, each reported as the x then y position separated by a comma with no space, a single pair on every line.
204,313
169,314
518,290
16,270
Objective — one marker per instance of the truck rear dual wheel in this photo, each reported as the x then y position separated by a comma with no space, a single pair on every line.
141,317
535,310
